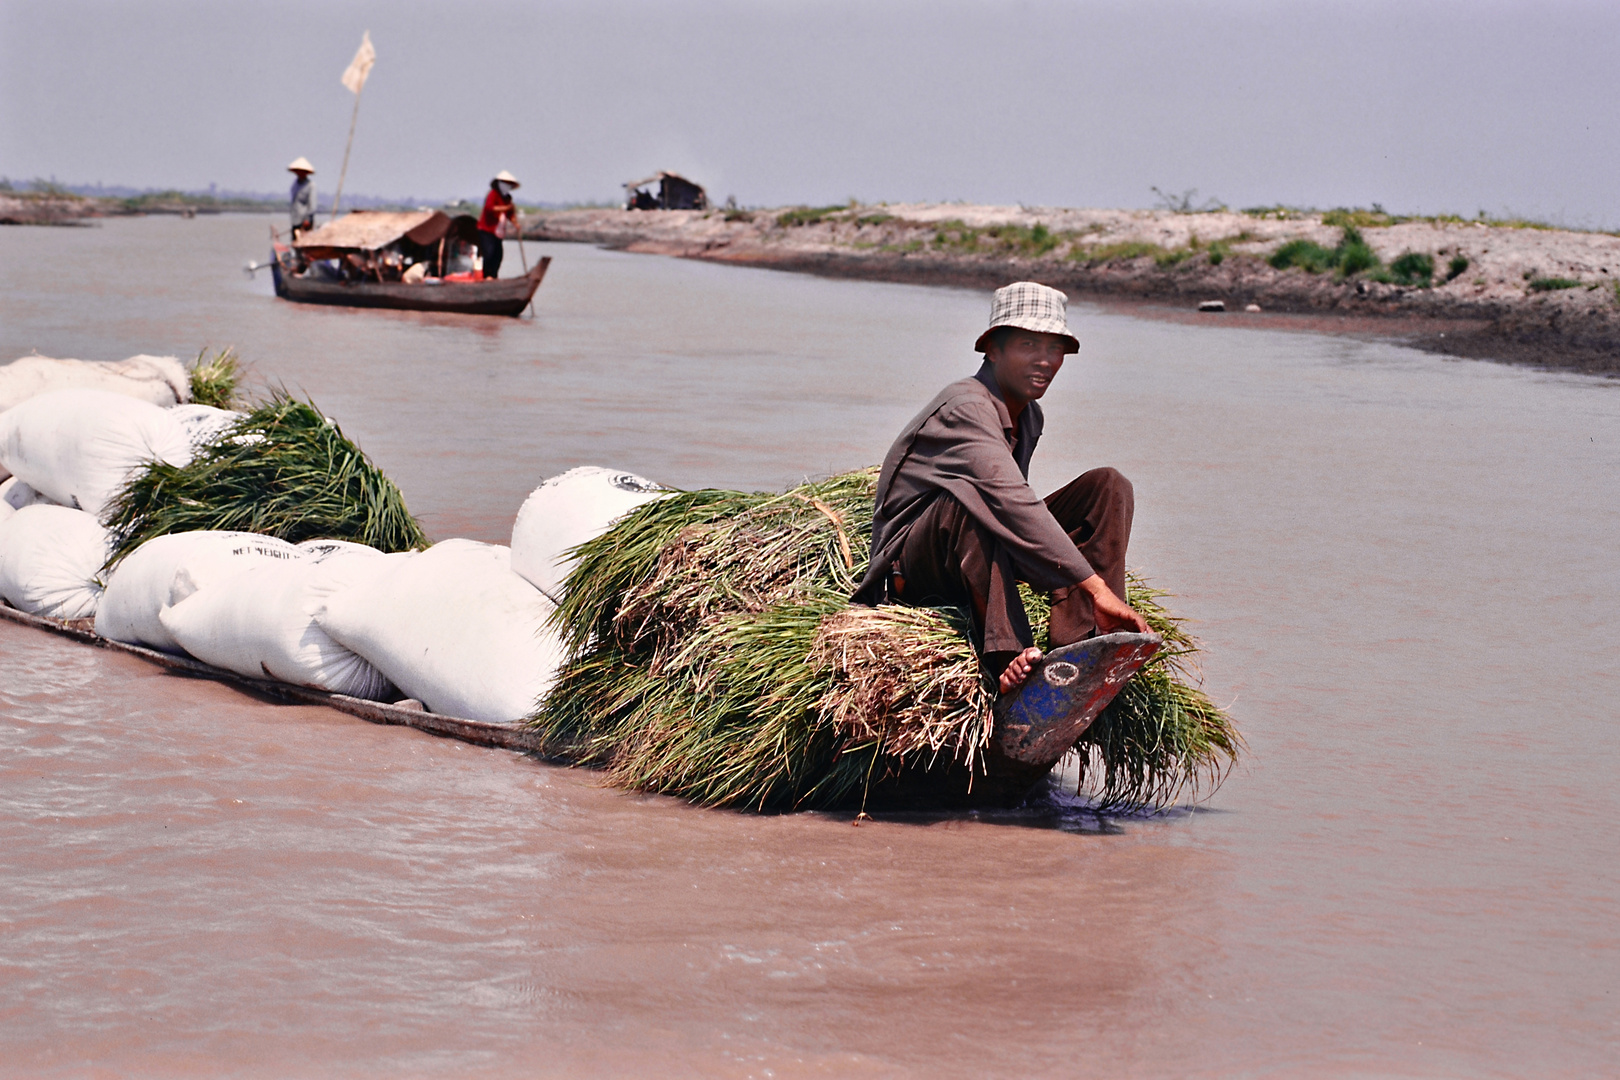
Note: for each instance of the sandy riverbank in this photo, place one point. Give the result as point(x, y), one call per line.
point(1526, 294)
point(28, 208)
point(47, 208)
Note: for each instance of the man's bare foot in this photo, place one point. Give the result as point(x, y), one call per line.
point(1019, 668)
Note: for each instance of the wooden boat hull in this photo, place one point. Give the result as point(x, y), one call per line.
point(1034, 728)
point(504, 296)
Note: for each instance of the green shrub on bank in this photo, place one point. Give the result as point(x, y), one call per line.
point(957, 237)
point(1456, 267)
point(1343, 218)
point(808, 215)
point(1124, 251)
point(1414, 268)
point(1274, 213)
point(1553, 284)
point(1308, 255)
point(1353, 255)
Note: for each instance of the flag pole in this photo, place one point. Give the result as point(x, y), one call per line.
point(354, 80)
point(338, 197)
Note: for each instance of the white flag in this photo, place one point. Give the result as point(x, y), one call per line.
point(355, 76)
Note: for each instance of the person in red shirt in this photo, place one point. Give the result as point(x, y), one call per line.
point(497, 205)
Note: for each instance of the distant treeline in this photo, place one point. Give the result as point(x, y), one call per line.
point(119, 197)
point(138, 200)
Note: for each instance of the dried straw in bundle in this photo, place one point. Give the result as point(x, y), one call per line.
point(716, 658)
point(901, 678)
point(283, 470)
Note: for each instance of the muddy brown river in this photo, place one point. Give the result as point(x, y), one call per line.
point(1406, 570)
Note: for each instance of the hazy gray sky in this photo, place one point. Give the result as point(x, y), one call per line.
point(1420, 106)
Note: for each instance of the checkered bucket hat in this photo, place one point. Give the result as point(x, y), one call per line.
point(1029, 305)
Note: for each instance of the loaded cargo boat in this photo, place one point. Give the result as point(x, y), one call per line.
point(692, 643)
point(423, 260)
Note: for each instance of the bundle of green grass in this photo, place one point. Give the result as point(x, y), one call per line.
point(716, 657)
point(283, 470)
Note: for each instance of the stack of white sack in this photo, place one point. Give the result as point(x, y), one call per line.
point(567, 510)
point(50, 561)
point(14, 495)
point(260, 621)
point(203, 424)
point(158, 380)
point(167, 569)
point(78, 447)
point(453, 627)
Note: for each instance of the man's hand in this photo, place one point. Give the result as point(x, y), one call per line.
point(1110, 611)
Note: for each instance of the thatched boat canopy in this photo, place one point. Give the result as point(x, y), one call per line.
point(371, 230)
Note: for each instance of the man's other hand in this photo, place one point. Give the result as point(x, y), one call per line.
point(1110, 612)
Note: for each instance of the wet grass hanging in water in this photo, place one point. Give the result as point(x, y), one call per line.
point(717, 659)
point(283, 470)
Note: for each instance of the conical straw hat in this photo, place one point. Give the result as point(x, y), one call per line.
point(301, 165)
point(508, 177)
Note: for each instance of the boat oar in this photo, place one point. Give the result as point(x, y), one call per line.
point(523, 255)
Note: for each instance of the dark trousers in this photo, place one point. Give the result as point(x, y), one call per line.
point(490, 249)
point(948, 558)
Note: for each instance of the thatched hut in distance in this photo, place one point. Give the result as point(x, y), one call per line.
point(674, 193)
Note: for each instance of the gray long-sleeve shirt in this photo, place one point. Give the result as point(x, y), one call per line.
point(965, 443)
point(303, 200)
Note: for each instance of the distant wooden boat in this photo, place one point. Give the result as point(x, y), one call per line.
point(504, 296)
point(427, 238)
point(1034, 727)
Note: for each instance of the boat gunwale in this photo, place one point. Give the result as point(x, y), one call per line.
point(479, 732)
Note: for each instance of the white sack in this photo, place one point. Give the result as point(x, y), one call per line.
point(15, 495)
point(159, 380)
point(203, 424)
point(79, 446)
point(50, 557)
point(327, 549)
point(261, 622)
point(454, 628)
point(167, 569)
point(568, 510)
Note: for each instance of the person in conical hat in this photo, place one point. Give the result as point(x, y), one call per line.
point(957, 524)
point(302, 210)
point(498, 208)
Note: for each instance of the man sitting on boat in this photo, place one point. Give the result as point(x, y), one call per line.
point(498, 205)
point(302, 208)
point(957, 524)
